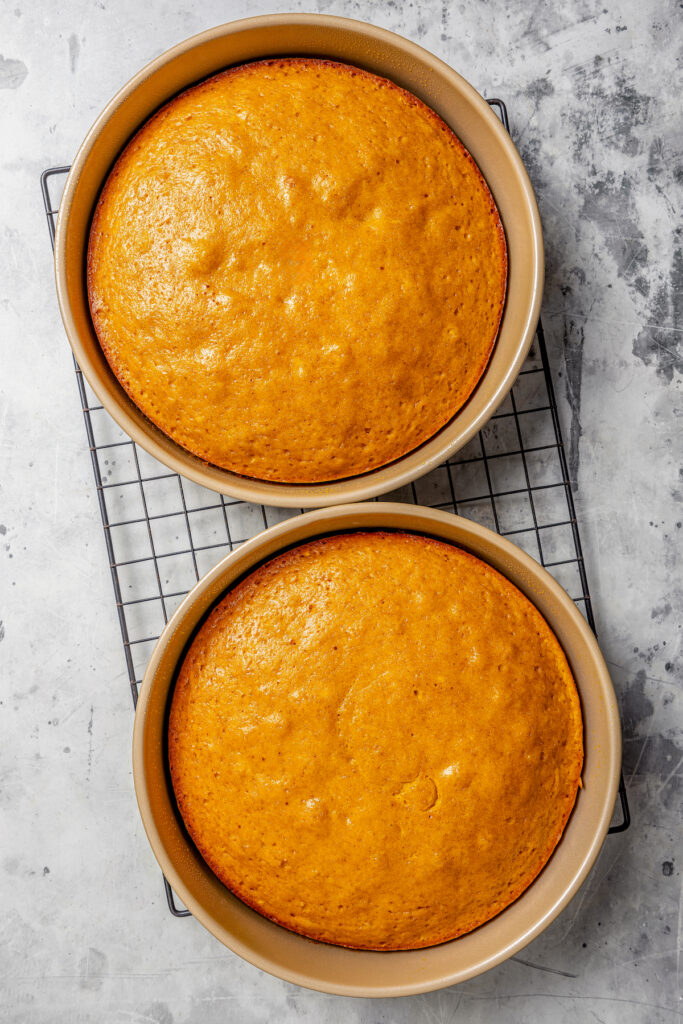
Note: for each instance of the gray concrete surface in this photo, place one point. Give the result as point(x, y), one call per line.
point(594, 94)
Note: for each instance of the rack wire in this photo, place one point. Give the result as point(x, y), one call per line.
point(162, 532)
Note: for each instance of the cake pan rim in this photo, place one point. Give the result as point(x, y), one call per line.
point(434, 522)
point(409, 466)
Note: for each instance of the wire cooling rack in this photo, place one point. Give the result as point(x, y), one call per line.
point(163, 532)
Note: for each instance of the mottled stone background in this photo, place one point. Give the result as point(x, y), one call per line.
point(594, 94)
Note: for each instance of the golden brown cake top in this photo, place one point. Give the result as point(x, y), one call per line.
point(375, 740)
point(296, 271)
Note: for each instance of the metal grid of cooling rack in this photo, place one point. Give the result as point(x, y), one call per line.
point(163, 532)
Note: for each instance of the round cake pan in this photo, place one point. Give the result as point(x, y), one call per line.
point(353, 972)
point(384, 54)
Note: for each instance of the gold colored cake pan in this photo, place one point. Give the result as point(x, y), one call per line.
point(355, 972)
point(383, 53)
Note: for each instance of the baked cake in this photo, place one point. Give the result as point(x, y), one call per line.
point(375, 740)
point(296, 271)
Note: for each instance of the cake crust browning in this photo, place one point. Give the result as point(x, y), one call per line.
point(375, 740)
point(296, 271)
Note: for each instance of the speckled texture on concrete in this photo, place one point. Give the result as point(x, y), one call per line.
point(84, 931)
